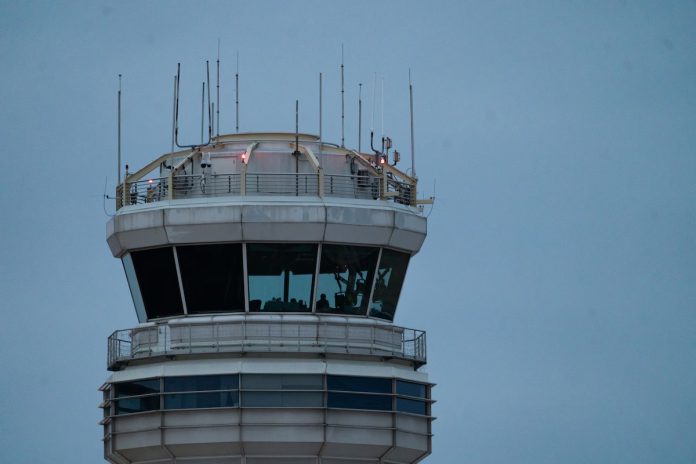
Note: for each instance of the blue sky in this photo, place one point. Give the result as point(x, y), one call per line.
point(558, 280)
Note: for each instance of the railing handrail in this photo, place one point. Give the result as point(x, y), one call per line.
point(327, 337)
point(320, 184)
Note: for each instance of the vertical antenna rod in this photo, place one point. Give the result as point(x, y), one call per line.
point(342, 104)
point(118, 161)
point(202, 110)
point(359, 116)
point(217, 116)
point(210, 111)
point(236, 93)
point(176, 105)
point(413, 149)
point(320, 111)
point(173, 114)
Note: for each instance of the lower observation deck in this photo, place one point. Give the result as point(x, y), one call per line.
point(238, 335)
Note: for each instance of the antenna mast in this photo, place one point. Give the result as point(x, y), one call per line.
point(173, 114)
point(413, 150)
point(118, 161)
point(217, 115)
point(320, 111)
point(202, 110)
point(342, 103)
point(236, 93)
point(359, 115)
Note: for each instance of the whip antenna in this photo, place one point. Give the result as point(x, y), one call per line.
point(320, 110)
point(202, 110)
point(342, 104)
point(236, 93)
point(118, 150)
point(359, 116)
point(413, 149)
point(173, 114)
point(217, 116)
point(210, 113)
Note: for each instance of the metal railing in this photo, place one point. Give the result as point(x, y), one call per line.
point(361, 187)
point(364, 187)
point(246, 336)
point(141, 192)
point(282, 184)
point(202, 185)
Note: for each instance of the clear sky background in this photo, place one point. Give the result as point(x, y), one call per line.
point(558, 280)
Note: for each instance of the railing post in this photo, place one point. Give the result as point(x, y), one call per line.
point(320, 179)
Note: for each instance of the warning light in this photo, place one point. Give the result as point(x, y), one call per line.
point(150, 181)
point(382, 160)
point(244, 157)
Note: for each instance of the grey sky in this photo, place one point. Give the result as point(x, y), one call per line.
point(558, 281)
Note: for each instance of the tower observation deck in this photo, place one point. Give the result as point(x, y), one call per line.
point(265, 270)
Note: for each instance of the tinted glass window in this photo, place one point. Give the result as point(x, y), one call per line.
point(345, 278)
point(411, 389)
point(359, 384)
point(201, 383)
point(144, 403)
point(281, 276)
point(213, 278)
point(139, 387)
point(412, 406)
point(390, 278)
point(261, 399)
point(282, 382)
point(357, 401)
point(159, 284)
point(201, 400)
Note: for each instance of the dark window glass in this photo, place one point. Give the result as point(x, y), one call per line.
point(138, 387)
point(359, 384)
point(282, 382)
point(281, 276)
point(345, 278)
point(213, 278)
point(411, 389)
point(357, 401)
point(412, 406)
point(228, 399)
point(201, 383)
point(143, 403)
point(159, 285)
point(390, 278)
point(269, 399)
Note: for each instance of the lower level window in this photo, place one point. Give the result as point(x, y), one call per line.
point(270, 391)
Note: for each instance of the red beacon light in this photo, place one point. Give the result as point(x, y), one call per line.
point(244, 157)
point(382, 160)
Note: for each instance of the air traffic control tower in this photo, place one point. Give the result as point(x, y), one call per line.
point(265, 271)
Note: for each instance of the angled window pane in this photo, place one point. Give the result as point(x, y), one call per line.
point(282, 381)
point(345, 278)
point(270, 399)
point(281, 276)
point(213, 278)
point(137, 387)
point(359, 384)
point(411, 389)
point(228, 399)
point(134, 287)
point(358, 401)
point(159, 284)
point(131, 405)
point(412, 406)
point(201, 383)
point(390, 278)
